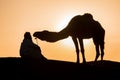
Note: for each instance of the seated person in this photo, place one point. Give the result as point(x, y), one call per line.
point(29, 50)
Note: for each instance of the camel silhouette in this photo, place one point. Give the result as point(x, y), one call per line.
point(80, 27)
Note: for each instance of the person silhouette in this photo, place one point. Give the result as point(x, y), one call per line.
point(30, 50)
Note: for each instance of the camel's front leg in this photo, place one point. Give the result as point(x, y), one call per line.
point(82, 50)
point(77, 48)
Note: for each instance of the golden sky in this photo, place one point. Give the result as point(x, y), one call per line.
point(19, 16)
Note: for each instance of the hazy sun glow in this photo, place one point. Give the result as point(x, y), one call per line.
point(63, 22)
point(69, 43)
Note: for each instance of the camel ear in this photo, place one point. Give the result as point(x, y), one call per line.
point(45, 31)
point(35, 34)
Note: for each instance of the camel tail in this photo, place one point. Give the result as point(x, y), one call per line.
point(101, 35)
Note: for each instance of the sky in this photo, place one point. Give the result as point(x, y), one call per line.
point(19, 16)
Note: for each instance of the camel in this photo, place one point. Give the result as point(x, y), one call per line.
point(80, 27)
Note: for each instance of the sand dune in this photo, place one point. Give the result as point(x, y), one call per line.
point(53, 69)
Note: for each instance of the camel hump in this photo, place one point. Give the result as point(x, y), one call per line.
point(87, 17)
point(81, 20)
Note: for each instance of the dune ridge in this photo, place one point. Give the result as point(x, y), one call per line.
point(54, 69)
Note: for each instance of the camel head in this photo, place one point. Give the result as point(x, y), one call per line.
point(42, 35)
point(46, 35)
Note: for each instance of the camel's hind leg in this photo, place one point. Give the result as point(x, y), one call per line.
point(97, 48)
point(102, 45)
point(97, 51)
point(102, 51)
